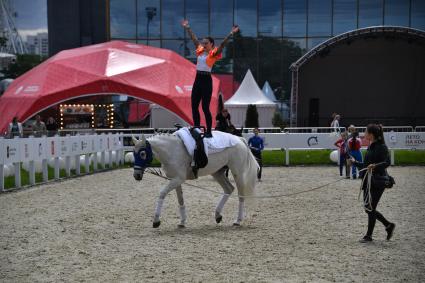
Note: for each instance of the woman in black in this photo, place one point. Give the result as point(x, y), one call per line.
point(376, 161)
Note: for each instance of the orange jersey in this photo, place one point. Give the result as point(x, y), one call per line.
point(212, 55)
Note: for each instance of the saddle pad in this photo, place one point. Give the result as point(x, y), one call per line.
point(217, 143)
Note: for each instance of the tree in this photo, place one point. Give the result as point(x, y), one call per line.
point(24, 63)
point(277, 120)
point(251, 117)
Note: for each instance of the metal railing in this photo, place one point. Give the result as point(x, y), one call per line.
point(73, 132)
point(313, 130)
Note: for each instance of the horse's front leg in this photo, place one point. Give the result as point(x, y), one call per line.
point(228, 188)
point(174, 183)
point(182, 207)
point(241, 212)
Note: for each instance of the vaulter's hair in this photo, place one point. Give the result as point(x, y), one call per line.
point(377, 132)
point(210, 39)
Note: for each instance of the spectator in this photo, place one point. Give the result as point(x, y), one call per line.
point(335, 123)
point(354, 145)
point(343, 156)
point(39, 128)
point(223, 121)
point(256, 145)
point(51, 126)
point(15, 129)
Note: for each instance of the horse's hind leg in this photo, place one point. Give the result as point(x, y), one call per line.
point(174, 183)
point(182, 207)
point(228, 188)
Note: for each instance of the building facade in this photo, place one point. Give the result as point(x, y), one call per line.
point(274, 33)
point(38, 44)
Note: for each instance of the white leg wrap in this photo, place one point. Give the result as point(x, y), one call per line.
point(241, 212)
point(183, 216)
point(158, 209)
point(221, 203)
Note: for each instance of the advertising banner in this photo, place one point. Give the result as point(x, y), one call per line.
point(53, 147)
point(39, 148)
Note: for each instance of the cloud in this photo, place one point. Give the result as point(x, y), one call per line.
point(25, 32)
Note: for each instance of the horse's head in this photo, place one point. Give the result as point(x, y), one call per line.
point(142, 157)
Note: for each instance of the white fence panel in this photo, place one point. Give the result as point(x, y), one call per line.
point(36, 152)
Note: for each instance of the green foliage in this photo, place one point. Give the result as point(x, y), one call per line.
point(24, 63)
point(409, 157)
point(251, 120)
point(273, 157)
point(277, 120)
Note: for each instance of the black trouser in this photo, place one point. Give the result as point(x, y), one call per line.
point(376, 194)
point(202, 90)
point(259, 159)
point(342, 163)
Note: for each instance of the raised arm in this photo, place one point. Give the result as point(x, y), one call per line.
point(235, 29)
point(185, 24)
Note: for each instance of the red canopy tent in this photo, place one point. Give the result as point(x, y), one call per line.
point(157, 75)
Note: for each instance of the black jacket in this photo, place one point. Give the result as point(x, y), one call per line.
point(376, 153)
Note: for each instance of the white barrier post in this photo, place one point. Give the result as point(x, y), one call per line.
point(87, 161)
point(68, 166)
point(95, 166)
point(110, 159)
point(57, 168)
point(102, 160)
point(32, 172)
point(392, 157)
point(45, 170)
point(17, 174)
point(287, 156)
point(1, 177)
point(1, 164)
point(77, 164)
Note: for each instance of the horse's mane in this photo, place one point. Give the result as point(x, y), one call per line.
point(162, 136)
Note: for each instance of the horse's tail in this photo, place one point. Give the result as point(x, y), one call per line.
point(247, 180)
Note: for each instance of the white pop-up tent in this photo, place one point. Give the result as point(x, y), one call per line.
point(249, 93)
point(268, 92)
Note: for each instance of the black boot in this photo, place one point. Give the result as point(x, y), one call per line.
point(366, 239)
point(195, 171)
point(390, 231)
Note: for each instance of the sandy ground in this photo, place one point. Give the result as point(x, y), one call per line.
point(98, 228)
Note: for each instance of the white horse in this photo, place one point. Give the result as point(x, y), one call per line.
point(176, 163)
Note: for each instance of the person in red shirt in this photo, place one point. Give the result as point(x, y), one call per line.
point(342, 145)
point(207, 54)
point(354, 145)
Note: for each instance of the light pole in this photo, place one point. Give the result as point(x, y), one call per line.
point(150, 13)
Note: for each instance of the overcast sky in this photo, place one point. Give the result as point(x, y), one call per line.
point(32, 16)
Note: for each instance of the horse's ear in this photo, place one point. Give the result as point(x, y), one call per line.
point(143, 140)
point(135, 141)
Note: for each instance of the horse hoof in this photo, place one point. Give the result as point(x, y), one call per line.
point(156, 224)
point(236, 224)
point(218, 219)
point(181, 226)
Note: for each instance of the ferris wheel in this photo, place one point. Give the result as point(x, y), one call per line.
point(11, 41)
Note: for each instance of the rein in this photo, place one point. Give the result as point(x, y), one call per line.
point(159, 174)
point(367, 201)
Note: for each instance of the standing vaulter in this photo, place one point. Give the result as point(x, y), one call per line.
point(207, 54)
